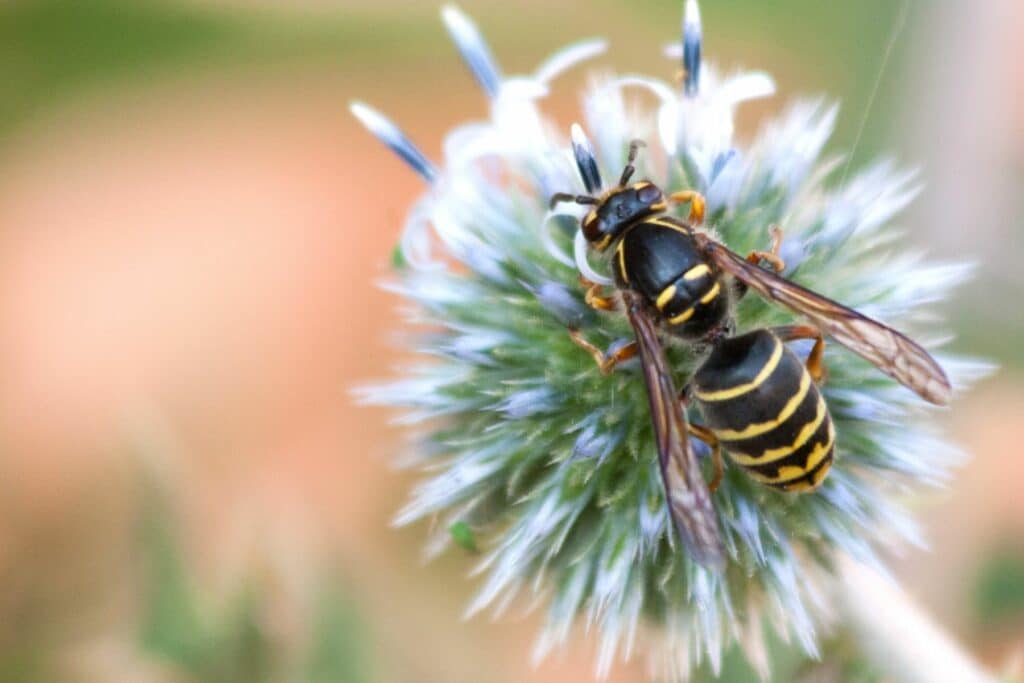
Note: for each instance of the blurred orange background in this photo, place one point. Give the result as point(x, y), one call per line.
point(191, 228)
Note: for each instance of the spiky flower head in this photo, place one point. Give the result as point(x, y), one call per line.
point(551, 467)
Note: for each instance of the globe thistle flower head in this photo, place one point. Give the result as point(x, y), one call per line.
point(548, 466)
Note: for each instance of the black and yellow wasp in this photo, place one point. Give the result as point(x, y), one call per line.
point(758, 399)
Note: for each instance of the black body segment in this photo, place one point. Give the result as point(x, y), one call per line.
point(761, 403)
point(660, 260)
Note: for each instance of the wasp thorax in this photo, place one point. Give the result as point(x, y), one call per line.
point(621, 209)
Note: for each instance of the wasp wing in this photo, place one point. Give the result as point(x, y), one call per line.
point(686, 492)
point(893, 353)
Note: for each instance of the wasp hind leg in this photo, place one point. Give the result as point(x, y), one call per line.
point(696, 201)
point(606, 360)
point(708, 437)
point(816, 359)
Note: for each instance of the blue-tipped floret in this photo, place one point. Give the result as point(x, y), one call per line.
point(692, 38)
point(585, 160)
point(473, 48)
point(391, 135)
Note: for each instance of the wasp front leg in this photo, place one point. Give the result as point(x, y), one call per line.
point(696, 201)
point(606, 360)
point(595, 298)
point(816, 359)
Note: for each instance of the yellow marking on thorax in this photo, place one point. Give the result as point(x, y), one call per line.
point(696, 272)
point(666, 295)
point(683, 317)
point(733, 392)
point(712, 293)
point(773, 454)
point(759, 428)
point(621, 251)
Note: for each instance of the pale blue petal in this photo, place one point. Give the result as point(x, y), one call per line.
point(473, 48)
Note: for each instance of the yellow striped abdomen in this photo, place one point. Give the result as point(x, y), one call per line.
point(761, 403)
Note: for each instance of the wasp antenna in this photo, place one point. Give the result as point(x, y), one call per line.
point(391, 135)
point(585, 160)
point(692, 38)
point(473, 48)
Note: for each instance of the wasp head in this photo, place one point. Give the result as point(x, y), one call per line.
point(620, 209)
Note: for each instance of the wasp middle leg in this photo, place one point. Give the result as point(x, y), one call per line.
point(606, 360)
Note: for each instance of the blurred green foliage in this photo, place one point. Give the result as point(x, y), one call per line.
point(181, 628)
point(52, 50)
point(999, 589)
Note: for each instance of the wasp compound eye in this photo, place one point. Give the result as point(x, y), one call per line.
point(649, 194)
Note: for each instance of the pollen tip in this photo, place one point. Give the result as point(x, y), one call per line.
point(451, 15)
point(471, 44)
point(692, 39)
point(372, 119)
point(691, 15)
point(578, 136)
point(585, 161)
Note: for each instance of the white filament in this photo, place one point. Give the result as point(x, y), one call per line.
point(580, 252)
point(549, 243)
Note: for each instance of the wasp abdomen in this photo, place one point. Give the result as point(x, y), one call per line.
point(760, 401)
point(661, 261)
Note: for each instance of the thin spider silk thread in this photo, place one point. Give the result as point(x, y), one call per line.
point(897, 29)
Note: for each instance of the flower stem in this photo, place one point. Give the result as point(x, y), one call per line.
point(901, 640)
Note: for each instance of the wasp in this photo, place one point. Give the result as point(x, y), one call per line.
point(759, 401)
